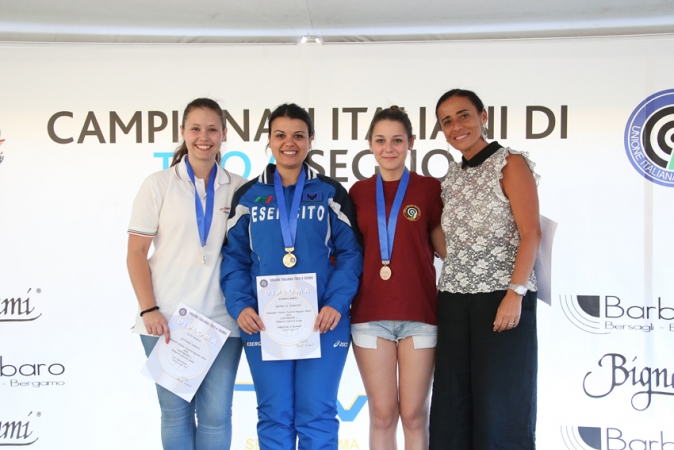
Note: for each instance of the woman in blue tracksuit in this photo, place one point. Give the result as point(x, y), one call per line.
point(296, 398)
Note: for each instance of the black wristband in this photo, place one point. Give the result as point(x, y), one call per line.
point(154, 308)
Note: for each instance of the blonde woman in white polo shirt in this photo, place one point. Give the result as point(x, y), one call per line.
point(183, 211)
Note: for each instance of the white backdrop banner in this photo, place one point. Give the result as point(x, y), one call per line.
point(81, 126)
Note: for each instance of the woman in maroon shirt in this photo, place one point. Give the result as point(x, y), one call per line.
point(394, 314)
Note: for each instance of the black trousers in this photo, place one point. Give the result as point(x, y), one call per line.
point(484, 390)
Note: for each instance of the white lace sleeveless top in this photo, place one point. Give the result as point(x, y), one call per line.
point(480, 230)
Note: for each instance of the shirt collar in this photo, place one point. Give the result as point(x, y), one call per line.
point(267, 177)
point(482, 156)
point(222, 176)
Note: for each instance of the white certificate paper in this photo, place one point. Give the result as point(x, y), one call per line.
point(543, 264)
point(181, 365)
point(288, 307)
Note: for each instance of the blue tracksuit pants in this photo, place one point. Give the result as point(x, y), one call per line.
point(298, 398)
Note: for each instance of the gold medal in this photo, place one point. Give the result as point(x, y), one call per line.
point(289, 260)
point(385, 273)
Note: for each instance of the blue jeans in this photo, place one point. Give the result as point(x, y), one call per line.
point(212, 404)
point(365, 334)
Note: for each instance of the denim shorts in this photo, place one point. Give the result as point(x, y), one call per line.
point(365, 334)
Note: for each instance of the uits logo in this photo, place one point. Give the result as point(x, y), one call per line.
point(266, 200)
point(649, 138)
point(412, 212)
point(581, 438)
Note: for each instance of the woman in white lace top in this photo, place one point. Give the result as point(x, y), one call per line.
point(484, 393)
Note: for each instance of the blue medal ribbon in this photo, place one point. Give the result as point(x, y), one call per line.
point(387, 228)
point(287, 218)
point(203, 220)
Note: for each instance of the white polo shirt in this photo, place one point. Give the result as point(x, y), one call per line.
point(164, 210)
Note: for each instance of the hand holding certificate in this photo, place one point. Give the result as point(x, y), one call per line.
point(288, 307)
point(181, 365)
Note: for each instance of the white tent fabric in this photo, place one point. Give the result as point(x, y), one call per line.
point(285, 21)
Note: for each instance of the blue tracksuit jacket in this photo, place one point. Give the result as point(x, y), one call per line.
point(326, 234)
point(295, 398)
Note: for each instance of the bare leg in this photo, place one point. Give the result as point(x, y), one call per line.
point(378, 368)
point(416, 375)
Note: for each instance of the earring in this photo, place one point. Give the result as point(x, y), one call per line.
point(485, 133)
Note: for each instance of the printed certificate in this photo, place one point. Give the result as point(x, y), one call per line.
point(288, 307)
point(181, 365)
point(543, 264)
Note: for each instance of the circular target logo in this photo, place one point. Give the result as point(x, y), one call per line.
point(649, 138)
point(412, 212)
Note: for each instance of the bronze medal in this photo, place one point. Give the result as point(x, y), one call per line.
point(385, 273)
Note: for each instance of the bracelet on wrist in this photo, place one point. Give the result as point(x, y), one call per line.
point(154, 308)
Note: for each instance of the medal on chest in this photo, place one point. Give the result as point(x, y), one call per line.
point(288, 218)
point(204, 218)
point(387, 227)
point(289, 259)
